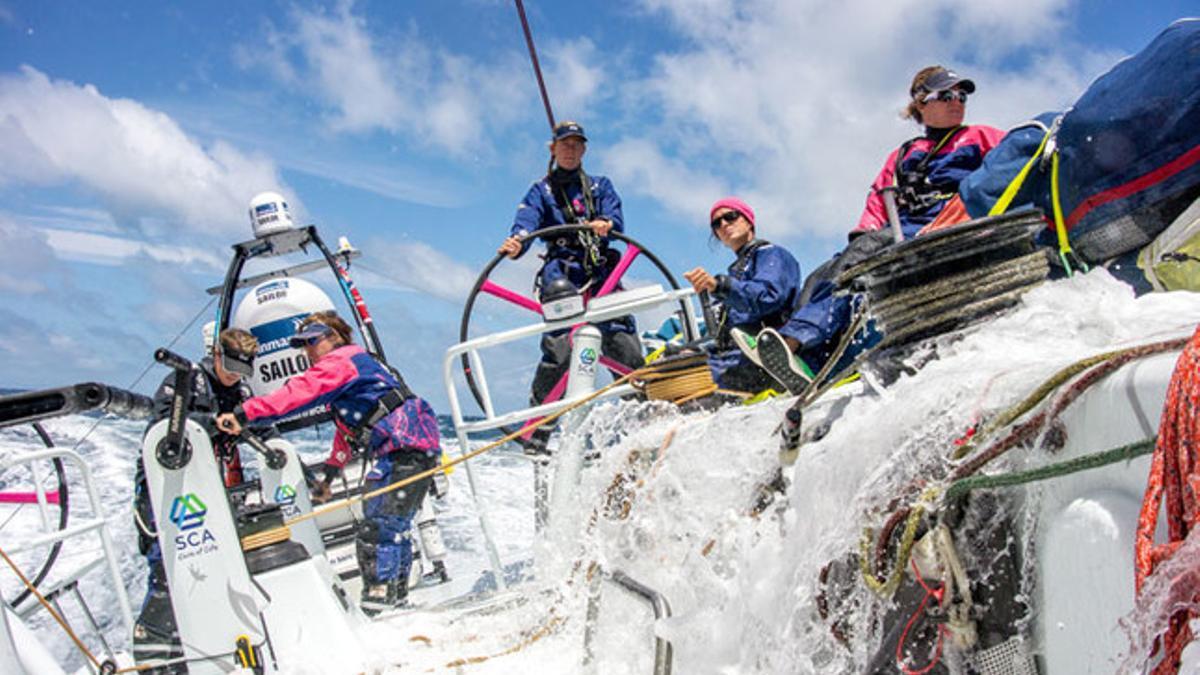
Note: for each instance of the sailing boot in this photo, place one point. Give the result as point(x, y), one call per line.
point(439, 573)
point(781, 363)
point(155, 637)
point(536, 444)
point(748, 344)
point(383, 597)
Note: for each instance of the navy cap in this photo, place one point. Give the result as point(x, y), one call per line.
point(567, 129)
point(310, 334)
point(943, 79)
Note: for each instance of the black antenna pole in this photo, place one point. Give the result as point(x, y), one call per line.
point(537, 69)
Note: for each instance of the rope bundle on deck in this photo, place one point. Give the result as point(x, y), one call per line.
point(1174, 478)
point(962, 477)
point(947, 279)
point(678, 379)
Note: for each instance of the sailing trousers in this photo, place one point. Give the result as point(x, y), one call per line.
point(383, 540)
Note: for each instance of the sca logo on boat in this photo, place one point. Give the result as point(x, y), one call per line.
point(188, 512)
point(285, 494)
point(588, 356)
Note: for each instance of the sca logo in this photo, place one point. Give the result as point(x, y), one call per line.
point(285, 494)
point(187, 512)
point(588, 356)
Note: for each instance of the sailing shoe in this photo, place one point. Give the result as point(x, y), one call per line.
point(439, 574)
point(151, 644)
point(378, 598)
point(155, 637)
point(536, 444)
point(781, 363)
point(748, 344)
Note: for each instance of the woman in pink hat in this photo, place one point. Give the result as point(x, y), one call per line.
point(759, 290)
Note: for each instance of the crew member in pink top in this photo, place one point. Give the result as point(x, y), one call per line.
point(926, 170)
point(376, 412)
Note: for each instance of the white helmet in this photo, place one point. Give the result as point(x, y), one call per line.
point(269, 214)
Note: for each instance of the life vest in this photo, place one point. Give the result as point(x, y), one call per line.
point(583, 246)
point(723, 334)
point(915, 193)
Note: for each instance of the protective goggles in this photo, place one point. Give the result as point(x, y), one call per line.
point(237, 362)
point(945, 96)
point(724, 219)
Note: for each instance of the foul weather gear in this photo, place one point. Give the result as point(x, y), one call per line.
point(383, 539)
point(927, 170)
point(760, 290)
point(352, 382)
point(565, 197)
point(397, 431)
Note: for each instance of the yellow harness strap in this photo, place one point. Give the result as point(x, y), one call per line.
point(1065, 254)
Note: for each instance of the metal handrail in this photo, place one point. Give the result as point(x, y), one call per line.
point(608, 307)
point(473, 346)
point(663, 653)
point(99, 525)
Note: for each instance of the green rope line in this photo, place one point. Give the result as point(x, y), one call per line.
point(960, 488)
point(1123, 453)
point(1045, 389)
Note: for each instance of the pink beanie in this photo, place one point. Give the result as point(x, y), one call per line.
point(735, 204)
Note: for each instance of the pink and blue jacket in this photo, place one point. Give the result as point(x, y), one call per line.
point(351, 382)
point(960, 156)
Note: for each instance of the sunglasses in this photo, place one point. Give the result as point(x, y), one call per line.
point(310, 340)
point(237, 363)
point(946, 96)
point(724, 219)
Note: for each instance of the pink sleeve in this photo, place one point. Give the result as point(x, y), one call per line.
point(341, 449)
point(305, 390)
point(874, 215)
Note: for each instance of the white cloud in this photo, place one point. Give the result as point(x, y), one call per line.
point(25, 259)
point(576, 77)
point(109, 250)
point(398, 84)
point(639, 166)
point(795, 104)
point(419, 267)
point(137, 159)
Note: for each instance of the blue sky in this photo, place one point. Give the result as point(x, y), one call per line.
point(133, 134)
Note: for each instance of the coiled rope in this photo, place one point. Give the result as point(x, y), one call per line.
point(678, 379)
point(1174, 475)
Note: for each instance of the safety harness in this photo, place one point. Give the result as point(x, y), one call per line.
point(359, 435)
point(1046, 153)
point(914, 191)
point(593, 256)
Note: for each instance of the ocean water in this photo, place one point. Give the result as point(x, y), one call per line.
point(667, 500)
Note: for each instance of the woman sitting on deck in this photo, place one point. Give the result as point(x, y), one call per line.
point(758, 291)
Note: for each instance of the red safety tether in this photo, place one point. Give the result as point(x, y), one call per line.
point(937, 595)
point(1175, 474)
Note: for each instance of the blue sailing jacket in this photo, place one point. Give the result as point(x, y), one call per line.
point(541, 209)
point(758, 292)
